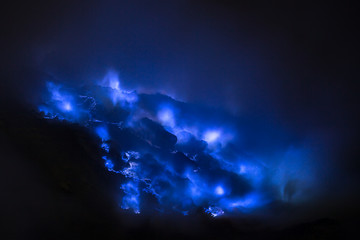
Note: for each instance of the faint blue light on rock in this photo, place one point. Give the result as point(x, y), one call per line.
point(214, 211)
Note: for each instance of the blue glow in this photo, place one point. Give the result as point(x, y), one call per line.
point(219, 190)
point(106, 147)
point(244, 204)
point(67, 106)
point(243, 169)
point(63, 100)
point(131, 171)
point(175, 154)
point(214, 211)
point(117, 95)
point(131, 198)
point(102, 133)
point(183, 137)
point(211, 136)
point(251, 171)
point(126, 156)
point(166, 117)
point(111, 80)
point(108, 163)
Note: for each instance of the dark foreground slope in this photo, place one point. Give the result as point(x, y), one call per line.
point(54, 186)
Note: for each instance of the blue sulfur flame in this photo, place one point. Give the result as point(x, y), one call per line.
point(219, 191)
point(102, 133)
point(214, 211)
point(174, 158)
point(131, 198)
point(211, 136)
point(108, 163)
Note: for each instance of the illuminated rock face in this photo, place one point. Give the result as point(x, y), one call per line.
point(175, 157)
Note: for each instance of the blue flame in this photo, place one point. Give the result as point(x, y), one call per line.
point(117, 95)
point(211, 136)
point(214, 211)
point(102, 133)
point(108, 163)
point(181, 157)
point(131, 198)
point(219, 190)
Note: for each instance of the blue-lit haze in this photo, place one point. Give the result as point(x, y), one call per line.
point(179, 155)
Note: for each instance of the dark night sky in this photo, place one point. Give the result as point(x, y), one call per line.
point(290, 63)
point(293, 63)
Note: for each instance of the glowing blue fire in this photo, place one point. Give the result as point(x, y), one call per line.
point(108, 163)
point(211, 136)
point(180, 157)
point(102, 133)
point(118, 96)
point(214, 211)
point(131, 198)
point(219, 190)
point(166, 117)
